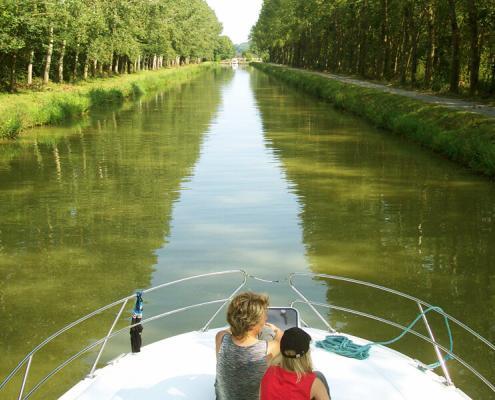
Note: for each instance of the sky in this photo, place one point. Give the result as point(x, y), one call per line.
point(237, 17)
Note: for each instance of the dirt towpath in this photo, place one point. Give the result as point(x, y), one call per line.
point(456, 104)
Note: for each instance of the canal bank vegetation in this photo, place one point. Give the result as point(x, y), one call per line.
point(464, 137)
point(47, 46)
point(25, 110)
point(43, 41)
point(442, 45)
point(116, 181)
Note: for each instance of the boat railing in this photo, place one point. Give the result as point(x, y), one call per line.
point(302, 299)
point(422, 305)
point(27, 360)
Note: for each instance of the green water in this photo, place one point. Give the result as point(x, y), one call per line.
point(234, 170)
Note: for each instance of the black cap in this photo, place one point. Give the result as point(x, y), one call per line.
point(294, 343)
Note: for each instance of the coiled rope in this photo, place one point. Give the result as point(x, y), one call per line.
point(345, 347)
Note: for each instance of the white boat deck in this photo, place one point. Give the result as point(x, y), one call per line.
point(183, 367)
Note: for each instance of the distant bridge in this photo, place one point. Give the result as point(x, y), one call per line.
point(240, 60)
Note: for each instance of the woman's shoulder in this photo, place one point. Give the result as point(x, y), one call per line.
point(219, 338)
point(222, 333)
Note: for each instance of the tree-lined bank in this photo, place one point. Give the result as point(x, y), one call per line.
point(38, 108)
point(463, 137)
point(66, 40)
point(436, 44)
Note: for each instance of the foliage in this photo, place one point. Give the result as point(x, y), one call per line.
point(224, 49)
point(25, 110)
point(242, 47)
point(66, 40)
point(462, 136)
point(436, 44)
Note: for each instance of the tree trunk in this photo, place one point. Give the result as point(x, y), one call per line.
point(116, 67)
point(49, 51)
point(86, 69)
point(385, 64)
point(474, 62)
point(412, 62)
point(30, 68)
point(110, 65)
point(414, 56)
point(430, 46)
point(492, 81)
point(361, 68)
point(76, 60)
point(13, 73)
point(455, 44)
point(405, 44)
point(61, 62)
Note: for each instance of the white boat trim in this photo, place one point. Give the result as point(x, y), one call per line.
point(222, 302)
point(183, 367)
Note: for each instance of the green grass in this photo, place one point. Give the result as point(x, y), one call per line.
point(464, 137)
point(57, 103)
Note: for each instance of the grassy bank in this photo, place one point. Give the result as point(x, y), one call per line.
point(464, 137)
point(61, 102)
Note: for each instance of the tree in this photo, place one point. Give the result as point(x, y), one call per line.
point(441, 43)
point(102, 36)
point(224, 48)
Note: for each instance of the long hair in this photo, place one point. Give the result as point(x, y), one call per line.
point(301, 366)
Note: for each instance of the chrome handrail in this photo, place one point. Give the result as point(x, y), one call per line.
point(419, 302)
point(223, 302)
point(402, 327)
point(396, 292)
point(102, 340)
point(28, 358)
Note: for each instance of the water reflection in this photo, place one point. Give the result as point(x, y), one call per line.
point(83, 210)
point(234, 170)
point(377, 208)
point(236, 209)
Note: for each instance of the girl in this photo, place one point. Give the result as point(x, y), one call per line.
point(291, 375)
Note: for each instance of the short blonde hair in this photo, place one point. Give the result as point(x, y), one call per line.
point(245, 311)
point(301, 365)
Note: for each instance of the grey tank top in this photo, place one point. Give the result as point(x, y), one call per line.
point(240, 369)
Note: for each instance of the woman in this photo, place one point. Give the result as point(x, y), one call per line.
point(242, 358)
point(291, 374)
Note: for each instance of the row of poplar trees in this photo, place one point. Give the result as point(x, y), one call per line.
point(429, 43)
point(66, 40)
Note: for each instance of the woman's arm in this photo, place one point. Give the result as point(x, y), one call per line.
point(319, 391)
point(276, 331)
point(273, 349)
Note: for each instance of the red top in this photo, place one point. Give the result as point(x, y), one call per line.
point(280, 384)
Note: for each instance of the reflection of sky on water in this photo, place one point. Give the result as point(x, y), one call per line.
point(237, 210)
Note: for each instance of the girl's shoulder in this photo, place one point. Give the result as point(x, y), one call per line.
point(272, 369)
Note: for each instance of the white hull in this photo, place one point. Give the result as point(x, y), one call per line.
point(183, 367)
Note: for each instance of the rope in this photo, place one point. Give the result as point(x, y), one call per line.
point(345, 347)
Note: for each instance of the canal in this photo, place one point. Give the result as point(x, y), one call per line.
point(235, 170)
